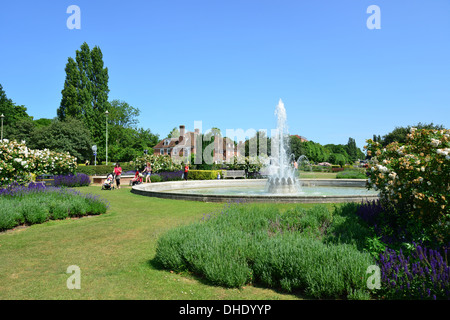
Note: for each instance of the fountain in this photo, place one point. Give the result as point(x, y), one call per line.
point(281, 185)
point(282, 173)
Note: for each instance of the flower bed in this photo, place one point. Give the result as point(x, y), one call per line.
point(36, 203)
point(18, 163)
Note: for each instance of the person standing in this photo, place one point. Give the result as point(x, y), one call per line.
point(186, 170)
point(148, 172)
point(117, 174)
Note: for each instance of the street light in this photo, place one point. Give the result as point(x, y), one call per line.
point(106, 113)
point(94, 149)
point(1, 138)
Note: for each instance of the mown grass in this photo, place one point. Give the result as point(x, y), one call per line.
point(115, 252)
point(317, 175)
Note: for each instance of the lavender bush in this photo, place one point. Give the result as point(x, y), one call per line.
point(37, 203)
point(425, 274)
point(418, 273)
point(171, 175)
point(78, 180)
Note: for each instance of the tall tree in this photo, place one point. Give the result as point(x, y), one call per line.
point(352, 150)
point(85, 92)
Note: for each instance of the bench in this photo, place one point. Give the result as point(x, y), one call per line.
point(124, 179)
point(46, 179)
point(235, 174)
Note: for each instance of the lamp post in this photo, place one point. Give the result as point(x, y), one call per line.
point(106, 113)
point(1, 138)
point(94, 149)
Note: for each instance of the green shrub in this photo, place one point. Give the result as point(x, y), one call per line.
point(350, 175)
point(10, 216)
point(101, 170)
point(204, 174)
point(291, 250)
point(320, 168)
point(155, 178)
point(34, 212)
point(59, 210)
point(78, 207)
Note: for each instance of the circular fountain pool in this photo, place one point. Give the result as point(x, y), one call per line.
point(309, 191)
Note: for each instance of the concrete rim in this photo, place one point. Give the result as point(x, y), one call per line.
point(168, 190)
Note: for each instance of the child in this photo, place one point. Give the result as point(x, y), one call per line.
point(186, 170)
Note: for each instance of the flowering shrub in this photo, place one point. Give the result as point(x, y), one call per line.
point(159, 163)
point(71, 180)
point(17, 162)
point(425, 274)
point(415, 178)
point(171, 176)
point(250, 164)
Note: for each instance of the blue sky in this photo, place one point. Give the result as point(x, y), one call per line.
point(227, 63)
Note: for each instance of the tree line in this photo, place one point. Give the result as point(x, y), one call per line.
point(337, 154)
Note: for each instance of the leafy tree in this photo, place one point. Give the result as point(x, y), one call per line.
point(22, 130)
point(258, 138)
point(315, 152)
point(175, 133)
point(64, 136)
point(125, 140)
point(296, 146)
point(12, 113)
point(43, 122)
point(85, 92)
point(399, 133)
point(337, 158)
point(121, 114)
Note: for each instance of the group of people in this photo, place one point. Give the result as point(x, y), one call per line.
point(138, 177)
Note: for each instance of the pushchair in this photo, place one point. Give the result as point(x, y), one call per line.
point(137, 178)
point(109, 182)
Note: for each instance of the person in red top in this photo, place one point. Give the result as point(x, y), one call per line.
point(186, 170)
point(117, 174)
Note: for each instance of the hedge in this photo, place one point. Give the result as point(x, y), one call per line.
point(103, 169)
point(204, 174)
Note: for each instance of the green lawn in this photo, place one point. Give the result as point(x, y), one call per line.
point(114, 252)
point(317, 175)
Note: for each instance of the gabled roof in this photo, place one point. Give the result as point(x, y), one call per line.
point(175, 142)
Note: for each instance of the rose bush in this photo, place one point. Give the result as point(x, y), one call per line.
point(159, 163)
point(414, 179)
point(18, 162)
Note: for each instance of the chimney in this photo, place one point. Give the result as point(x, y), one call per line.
point(181, 133)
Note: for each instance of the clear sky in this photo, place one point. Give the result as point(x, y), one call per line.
point(227, 63)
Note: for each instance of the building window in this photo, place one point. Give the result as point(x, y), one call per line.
point(161, 151)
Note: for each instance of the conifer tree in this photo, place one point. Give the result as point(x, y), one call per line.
point(85, 92)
